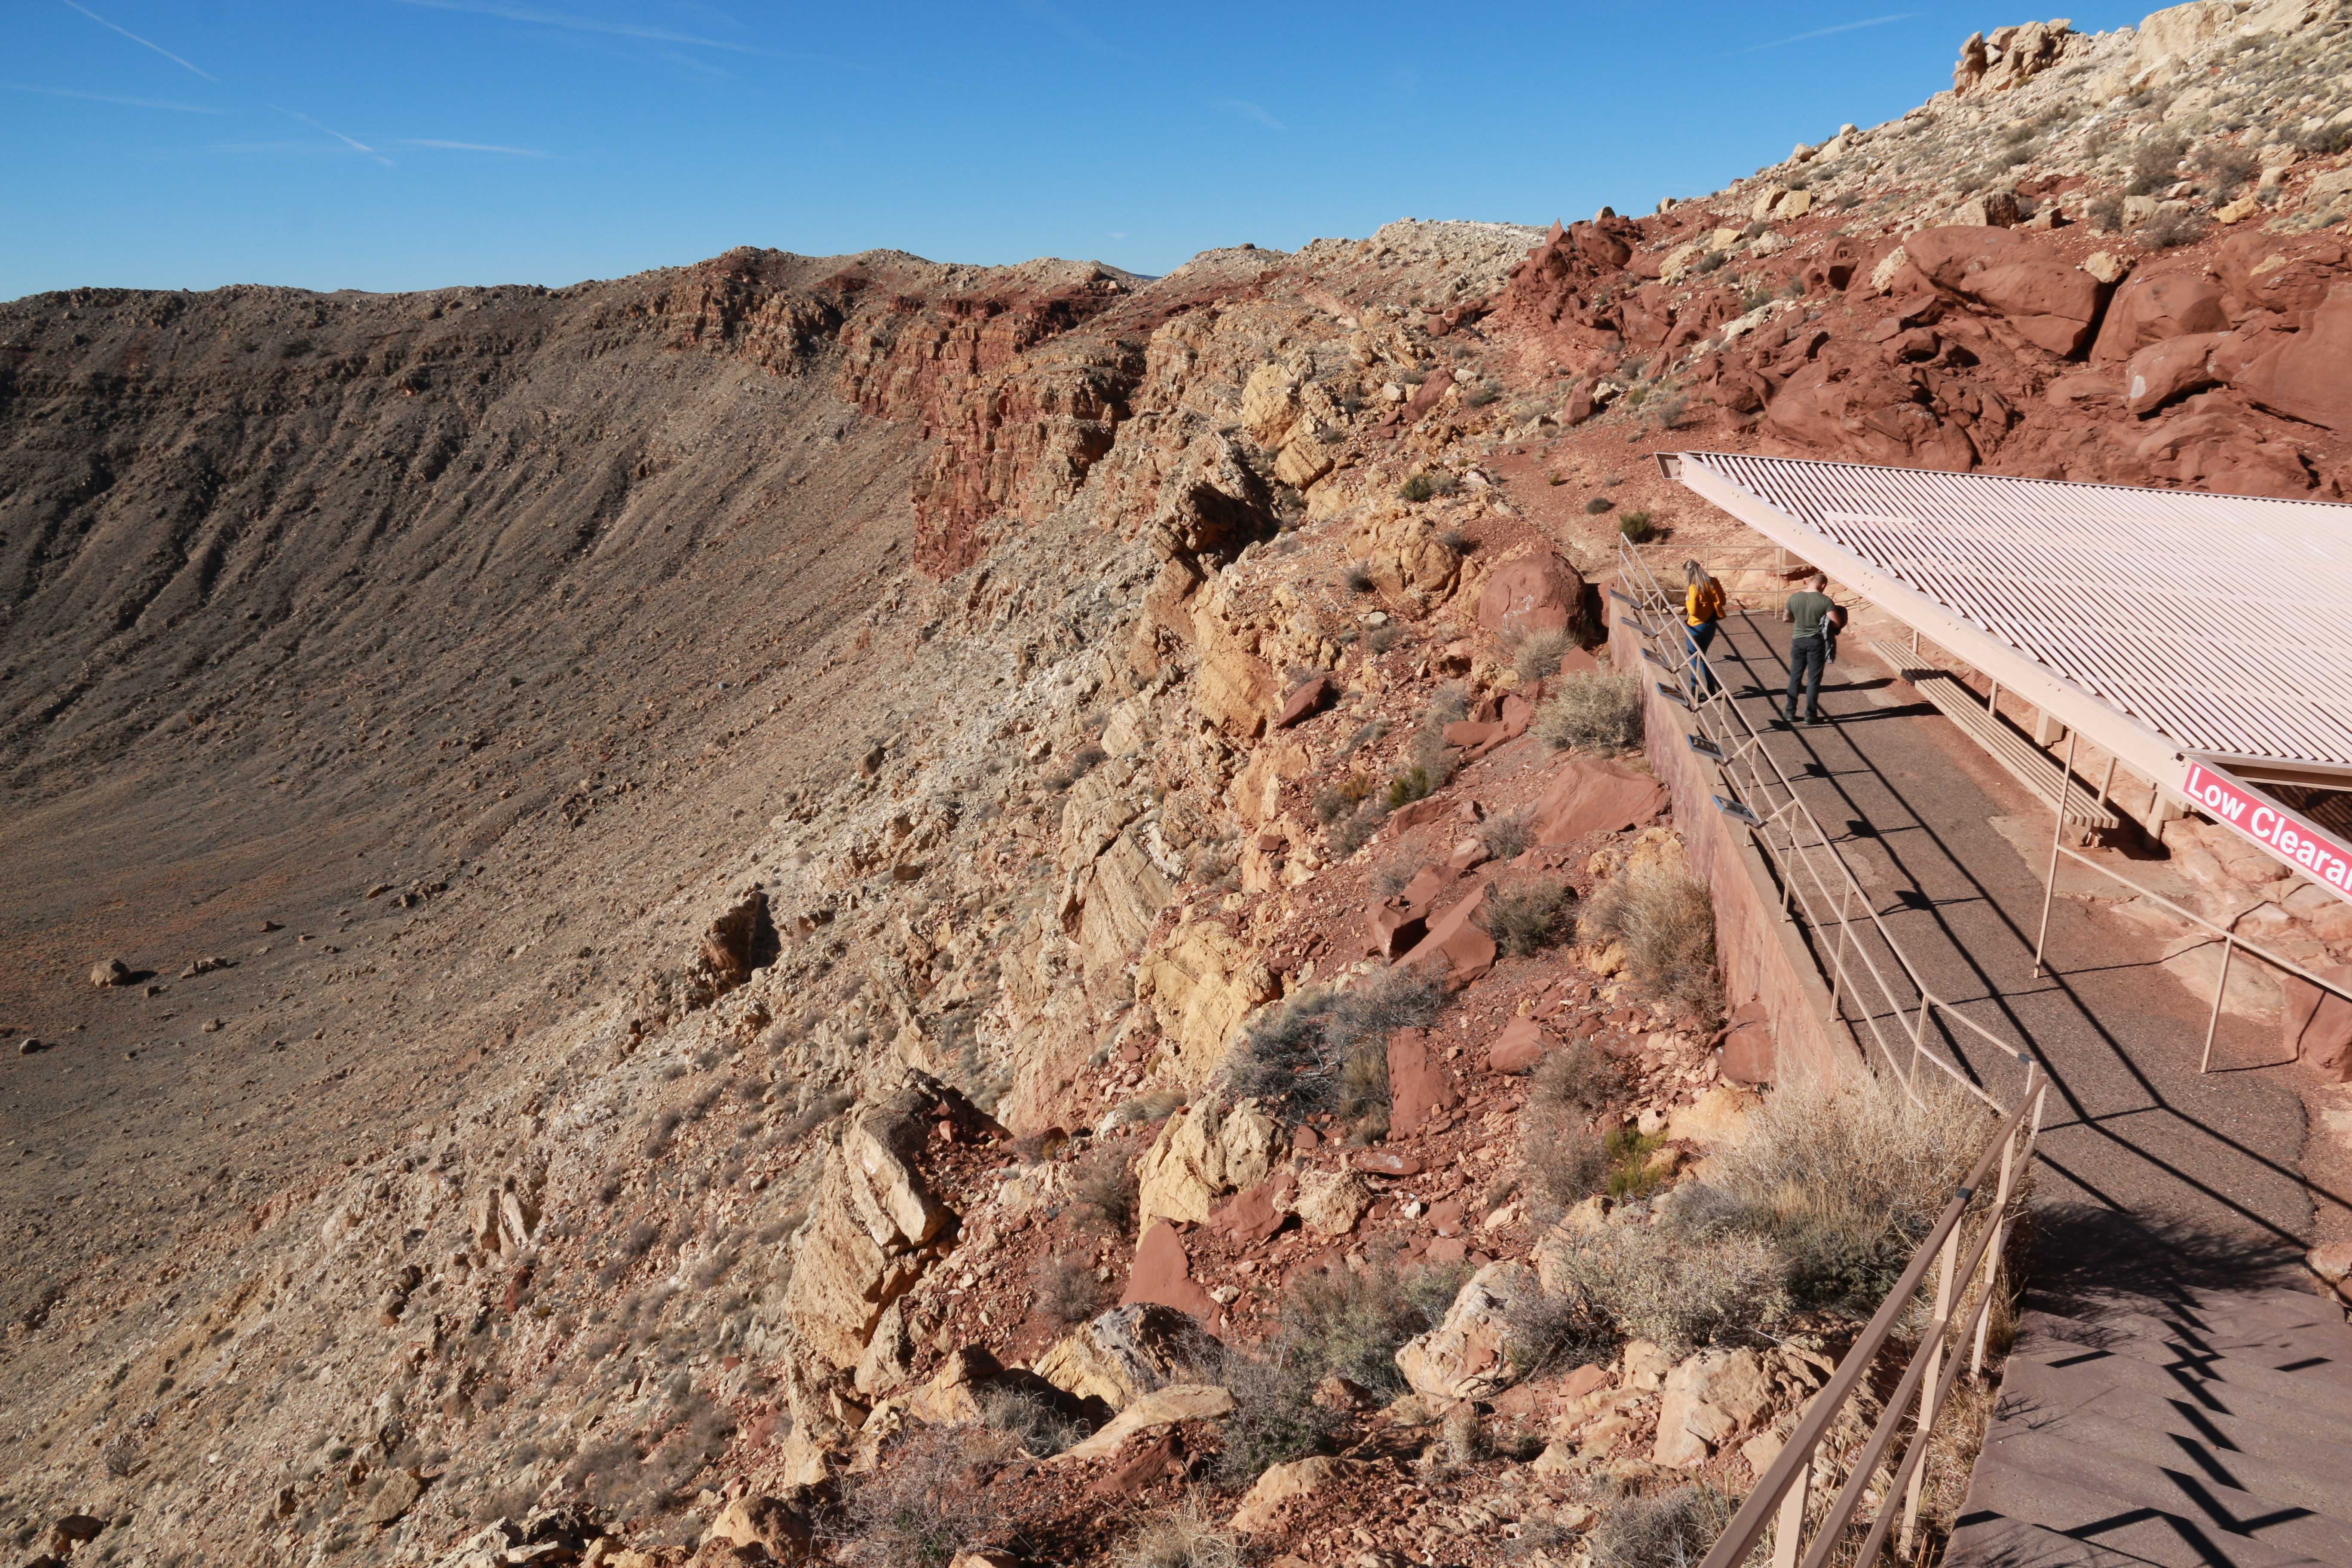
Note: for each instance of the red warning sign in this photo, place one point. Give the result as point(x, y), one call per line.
point(2295, 839)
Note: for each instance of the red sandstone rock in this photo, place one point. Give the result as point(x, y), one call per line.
point(1428, 809)
point(1540, 592)
point(1593, 796)
point(2156, 303)
point(1518, 713)
point(1386, 1163)
point(1468, 856)
point(1303, 702)
point(2304, 377)
point(1518, 1047)
point(1471, 735)
point(2316, 1024)
point(2173, 368)
point(1162, 1273)
point(1747, 1049)
point(1417, 1086)
point(1255, 1215)
point(1457, 938)
point(1395, 929)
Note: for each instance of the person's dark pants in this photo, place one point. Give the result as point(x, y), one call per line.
point(1700, 637)
point(1806, 657)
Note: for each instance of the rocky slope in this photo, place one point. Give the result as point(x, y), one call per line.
point(688, 855)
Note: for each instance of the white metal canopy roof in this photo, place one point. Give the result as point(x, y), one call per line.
point(2169, 626)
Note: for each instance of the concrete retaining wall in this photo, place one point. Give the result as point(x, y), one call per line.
point(1767, 969)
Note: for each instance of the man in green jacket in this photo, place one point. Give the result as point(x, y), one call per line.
point(1809, 613)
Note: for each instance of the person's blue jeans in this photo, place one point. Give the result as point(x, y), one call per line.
point(1701, 676)
point(1807, 656)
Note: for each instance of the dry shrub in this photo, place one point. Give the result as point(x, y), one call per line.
point(1661, 1530)
point(1506, 838)
point(1103, 1186)
point(1537, 655)
point(1188, 1538)
point(1594, 711)
point(1576, 1079)
point(1327, 1050)
point(1843, 1178)
point(1030, 1418)
point(1562, 1160)
point(918, 1507)
point(1676, 1286)
point(1527, 920)
point(1067, 1290)
point(1665, 918)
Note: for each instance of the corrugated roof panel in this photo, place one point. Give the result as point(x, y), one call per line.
point(2223, 622)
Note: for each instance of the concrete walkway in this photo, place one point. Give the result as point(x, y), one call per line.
point(2139, 1151)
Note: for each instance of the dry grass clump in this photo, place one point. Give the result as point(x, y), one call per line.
point(1187, 1538)
point(1349, 1321)
point(1664, 919)
point(1030, 1418)
point(1537, 655)
point(1660, 1530)
point(1327, 1050)
point(1103, 1187)
point(1527, 920)
point(1562, 1160)
point(919, 1509)
point(1507, 836)
point(1594, 711)
point(1844, 1178)
point(1679, 1286)
point(1066, 1287)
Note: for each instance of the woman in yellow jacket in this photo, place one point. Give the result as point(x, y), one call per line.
point(1702, 606)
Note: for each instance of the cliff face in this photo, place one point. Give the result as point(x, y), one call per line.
point(691, 854)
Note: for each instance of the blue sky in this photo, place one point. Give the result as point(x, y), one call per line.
point(414, 144)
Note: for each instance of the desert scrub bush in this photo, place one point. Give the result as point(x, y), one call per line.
point(1664, 919)
point(2105, 212)
point(1595, 505)
point(2227, 168)
point(1067, 1289)
point(1102, 1187)
point(1353, 832)
point(1418, 487)
point(1677, 1286)
point(2325, 141)
point(1673, 1529)
point(1537, 655)
point(1636, 526)
point(1187, 1538)
point(1562, 1162)
point(1358, 577)
point(1030, 1416)
point(1335, 801)
point(1384, 636)
point(2169, 230)
point(1633, 1168)
point(1843, 1179)
point(919, 1509)
point(1592, 710)
point(1506, 836)
point(1576, 1081)
point(1525, 920)
point(2155, 161)
point(1481, 395)
point(1295, 1057)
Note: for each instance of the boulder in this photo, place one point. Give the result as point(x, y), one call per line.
point(1162, 1273)
point(1307, 699)
point(2052, 304)
point(2316, 1025)
point(2301, 374)
point(2158, 303)
point(1708, 1399)
point(1127, 1353)
point(773, 1525)
point(872, 1232)
point(1394, 929)
point(2173, 368)
point(1329, 1202)
point(1463, 1358)
point(1261, 1506)
point(1201, 1154)
point(1417, 1085)
point(1529, 594)
point(1456, 937)
point(1518, 1047)
point(952, 1395)
point(1256, 1213)
point(1162, 1407)
point(1748, 1053)
point(1590, 795)
point(112, 971)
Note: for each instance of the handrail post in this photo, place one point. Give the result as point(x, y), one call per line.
point(2057, 829)
point(1837, 967)
point(1992, 1252)
point(1929, 1387)
point(1788, 1524)
point(2220, 985)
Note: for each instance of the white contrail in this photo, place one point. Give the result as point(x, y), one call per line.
point(1825, 32)
point(470, 147)
point(143, 42)
point(1249, 111)
point(353, 142)
point(112, 98)
point(591, 25)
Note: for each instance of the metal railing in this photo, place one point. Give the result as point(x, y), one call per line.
point(1817, 885)
point(1781, 1501)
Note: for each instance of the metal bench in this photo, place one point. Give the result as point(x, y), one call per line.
point(2007, 744)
